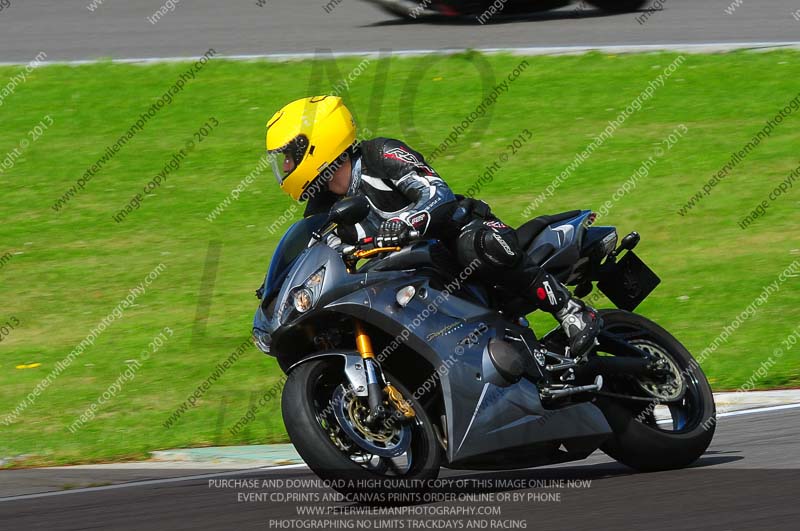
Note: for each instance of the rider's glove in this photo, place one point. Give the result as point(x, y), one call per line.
point(393, 233)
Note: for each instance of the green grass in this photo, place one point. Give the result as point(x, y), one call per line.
point(76, 265)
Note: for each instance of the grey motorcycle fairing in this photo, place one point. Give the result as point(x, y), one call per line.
point(488, 420)
point(482, 417)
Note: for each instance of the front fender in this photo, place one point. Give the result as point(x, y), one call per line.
point(353, 368)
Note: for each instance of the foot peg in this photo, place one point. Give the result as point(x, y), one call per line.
point(564, 362)
point(559, 393)
point(567, 361)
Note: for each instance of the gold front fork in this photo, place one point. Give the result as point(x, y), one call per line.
point(364, 346)
point(363, 342)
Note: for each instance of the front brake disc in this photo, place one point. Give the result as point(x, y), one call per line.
point(388, 440)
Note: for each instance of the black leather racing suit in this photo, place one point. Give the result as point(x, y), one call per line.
point(399, 184)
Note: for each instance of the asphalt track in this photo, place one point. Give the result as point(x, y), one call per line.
point(749, 479)
point(67, 30)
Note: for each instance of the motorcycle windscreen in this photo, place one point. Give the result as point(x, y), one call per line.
point(294, 242)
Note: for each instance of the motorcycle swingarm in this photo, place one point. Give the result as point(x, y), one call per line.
point(610, 342)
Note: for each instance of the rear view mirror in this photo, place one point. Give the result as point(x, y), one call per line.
point(349, 210)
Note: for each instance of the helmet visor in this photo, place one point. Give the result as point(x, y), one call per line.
point(287, 158)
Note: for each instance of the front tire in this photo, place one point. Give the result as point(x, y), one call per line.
point(639, 440)
point(324, 446)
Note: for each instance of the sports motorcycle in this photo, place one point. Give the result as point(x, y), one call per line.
point(400, 361)
point(485, 9)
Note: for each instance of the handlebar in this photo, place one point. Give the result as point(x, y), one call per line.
point(366, 247)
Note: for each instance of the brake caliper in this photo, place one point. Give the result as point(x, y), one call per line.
point(400, 403)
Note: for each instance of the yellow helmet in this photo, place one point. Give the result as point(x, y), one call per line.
point(306, 137)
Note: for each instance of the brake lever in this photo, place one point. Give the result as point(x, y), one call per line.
point(359, 246)
point(367, 246)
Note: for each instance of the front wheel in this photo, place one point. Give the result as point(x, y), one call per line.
point(672, 428)
point(326, 423)
point(618, 6)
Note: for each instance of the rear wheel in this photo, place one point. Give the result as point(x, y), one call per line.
point(618, 6)
point(673, 423)
point(325, 422)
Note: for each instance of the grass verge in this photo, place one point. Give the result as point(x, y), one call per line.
point(62, 272)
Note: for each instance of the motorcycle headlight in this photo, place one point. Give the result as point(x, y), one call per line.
point(303, 300)
point(304, 297)
point(262, 340)
point(314, 282)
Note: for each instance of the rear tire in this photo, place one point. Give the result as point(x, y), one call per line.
point(315, 444)
point(618, 6)
point(644, 446)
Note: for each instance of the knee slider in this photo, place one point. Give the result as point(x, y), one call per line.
point(498, 248)
point(495, 250)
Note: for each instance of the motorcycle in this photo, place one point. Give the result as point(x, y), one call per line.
point(400, 362)
point(485, 9)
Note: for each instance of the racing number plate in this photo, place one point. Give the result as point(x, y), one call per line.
point(628, 282)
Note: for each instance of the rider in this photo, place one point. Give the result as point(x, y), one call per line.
point(315, 157)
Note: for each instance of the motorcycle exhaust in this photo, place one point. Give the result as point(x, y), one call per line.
point(609, 366)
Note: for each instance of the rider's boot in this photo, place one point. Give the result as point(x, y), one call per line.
point(579, 321)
